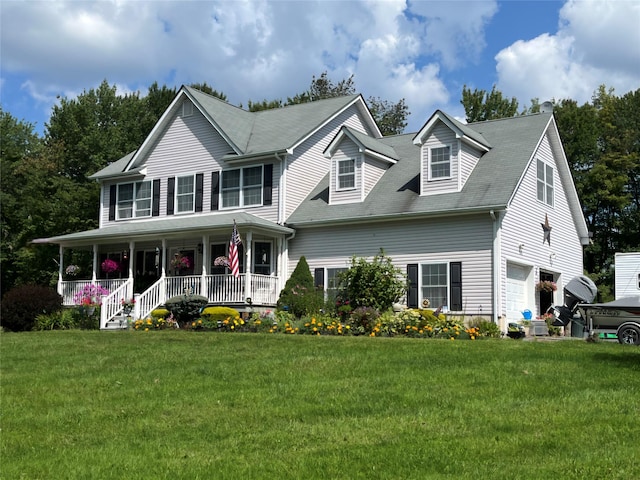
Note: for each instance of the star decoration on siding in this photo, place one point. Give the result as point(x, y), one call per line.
point(546, 228)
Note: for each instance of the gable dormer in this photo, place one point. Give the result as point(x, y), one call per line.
point(449, 151)
point(357, 163)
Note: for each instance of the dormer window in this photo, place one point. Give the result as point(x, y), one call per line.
point(346, 177)
point(440, 162)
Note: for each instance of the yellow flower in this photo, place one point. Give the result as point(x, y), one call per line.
point(146, 329)
point(193, 324)
point(452, 338)
point(472, 337)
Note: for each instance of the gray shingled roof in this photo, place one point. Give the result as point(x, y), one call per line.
point(255, 133)
point(373, 144)
point(396, 194)
point(165, 226)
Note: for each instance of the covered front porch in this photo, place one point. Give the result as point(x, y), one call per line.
point(154, 261)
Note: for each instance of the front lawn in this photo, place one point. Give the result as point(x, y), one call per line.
point(188, 405)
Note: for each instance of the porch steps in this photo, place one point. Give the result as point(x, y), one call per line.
point(117, 323)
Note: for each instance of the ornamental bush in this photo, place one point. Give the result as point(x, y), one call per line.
point(215, 314)
point(376, 283)
point(65, 319)
point(186, 308)
point(299, 295)
point(21, 305)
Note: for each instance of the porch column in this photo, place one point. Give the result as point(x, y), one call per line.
point(94, 275)
point(247, 265)
point(164, 257)
point(280, 268)
point(132, 246)
point(205, 266)
point(60, 269)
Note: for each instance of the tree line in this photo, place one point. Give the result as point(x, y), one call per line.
point(46, 189)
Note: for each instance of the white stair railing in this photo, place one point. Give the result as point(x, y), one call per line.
point(112, 303)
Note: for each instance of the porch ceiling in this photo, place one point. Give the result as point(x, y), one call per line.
point(169, 227)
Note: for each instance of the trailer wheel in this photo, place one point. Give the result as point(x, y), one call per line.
point(629, 334)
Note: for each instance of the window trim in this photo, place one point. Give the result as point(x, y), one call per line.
point(134, 200)
point(545, 184)
point(241, 188)
point(447, 285)
point(431, 163)
point(176, 195)
point(339, 175)
point(254, 258)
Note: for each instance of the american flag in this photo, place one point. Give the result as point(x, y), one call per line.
point(233, 252)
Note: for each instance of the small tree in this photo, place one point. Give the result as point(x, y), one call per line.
point(299, 295)
point(376, 284)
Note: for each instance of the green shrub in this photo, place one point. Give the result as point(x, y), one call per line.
point(216, 314)
point(485, 328)
point(299, 295)
point(65, 319)
point(376, 283)
point(186, 308)
point(160, 313)
point(21, 305)
point(363, 320)
point(87, 321)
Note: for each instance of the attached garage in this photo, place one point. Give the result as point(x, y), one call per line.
point(517, 291)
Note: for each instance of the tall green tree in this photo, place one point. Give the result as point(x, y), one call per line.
point(390, 117)
point(480, 105)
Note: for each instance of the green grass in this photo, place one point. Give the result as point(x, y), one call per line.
point(186, 405)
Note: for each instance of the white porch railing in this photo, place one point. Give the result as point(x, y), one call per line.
point(218, 289)
point(68, 290)
point(112, 303)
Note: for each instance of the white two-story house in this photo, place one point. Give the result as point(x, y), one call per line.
point(475, 214)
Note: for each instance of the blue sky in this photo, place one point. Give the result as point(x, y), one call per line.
point(422, 51)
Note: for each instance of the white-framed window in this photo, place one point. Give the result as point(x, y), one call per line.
point(346, 174)
point(134, 200)
point(242, 187)
point(185, 194)
point(435, 283)
point(187, 109)
point(440, 162)
point(332, 282)
point(545, 182)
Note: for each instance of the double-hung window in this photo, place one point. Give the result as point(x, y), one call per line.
point(346, 174)
point(440, 162)
point(134, 200)
point(185, 194)
point(242, 187)
point(333, 282)
point(435, 284)
point(545, 182)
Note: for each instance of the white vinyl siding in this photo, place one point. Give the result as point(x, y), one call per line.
point(469, 157)
point(242, 187)
point(439, 175)
point(348, 158)
point(466, 239)
point(191, 144)
point(522, 234)
point(308, 166)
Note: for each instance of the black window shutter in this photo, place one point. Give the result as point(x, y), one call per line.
point(215, 190)
point(267, 191)
point(155, 205)
point(412, 293)
point(318, 276)
point(112, 202)
point(171, 185)
point(199, 191)
point(455, 280)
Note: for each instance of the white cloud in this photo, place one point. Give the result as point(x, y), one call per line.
point(598, 42)
point(250, 50)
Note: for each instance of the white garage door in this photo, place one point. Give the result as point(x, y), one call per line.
point(516, 291)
